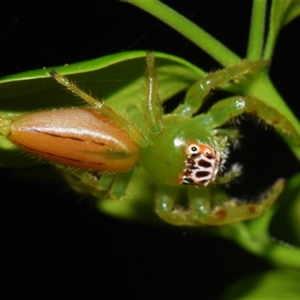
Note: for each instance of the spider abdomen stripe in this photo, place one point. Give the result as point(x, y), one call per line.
point(82, 138)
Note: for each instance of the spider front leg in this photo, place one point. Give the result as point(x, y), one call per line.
point(228, 109)
point(221, 209)
point(198, 92)
point(211, 205)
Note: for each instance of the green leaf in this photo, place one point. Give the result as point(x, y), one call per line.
point(113, 78)
point(188, 29)
point(282, 12)
point(257, 30)
point(289, 211)
point(292, 12)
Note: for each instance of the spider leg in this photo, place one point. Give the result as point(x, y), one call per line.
point(227, 109)
point(153, 107)
point(232, 134)
point(225, 211)
point(108, 186)
point(234, 171)
point(198, 92)
point(212, 206)
point(102, 108)
point(167, 208)
point(143, 125)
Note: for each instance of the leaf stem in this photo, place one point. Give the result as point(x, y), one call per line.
point(190, 30)
point(257, 28)
point(261, 244)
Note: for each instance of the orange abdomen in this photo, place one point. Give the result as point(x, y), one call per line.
point(81, 138)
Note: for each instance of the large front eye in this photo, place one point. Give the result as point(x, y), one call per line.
point(193, 149)
point(207, 152)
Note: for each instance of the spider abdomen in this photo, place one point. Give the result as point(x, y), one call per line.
point(81, 138)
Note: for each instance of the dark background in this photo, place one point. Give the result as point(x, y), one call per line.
point(53, 242)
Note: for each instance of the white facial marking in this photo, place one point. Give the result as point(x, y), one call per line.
point(201, 165)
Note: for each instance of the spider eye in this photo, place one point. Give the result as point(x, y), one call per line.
point(194, 149)
point(207, 153)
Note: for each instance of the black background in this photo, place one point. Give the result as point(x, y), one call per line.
point(54, 243)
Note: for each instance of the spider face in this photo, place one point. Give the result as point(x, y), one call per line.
point(179, 154)
point(201, 165)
